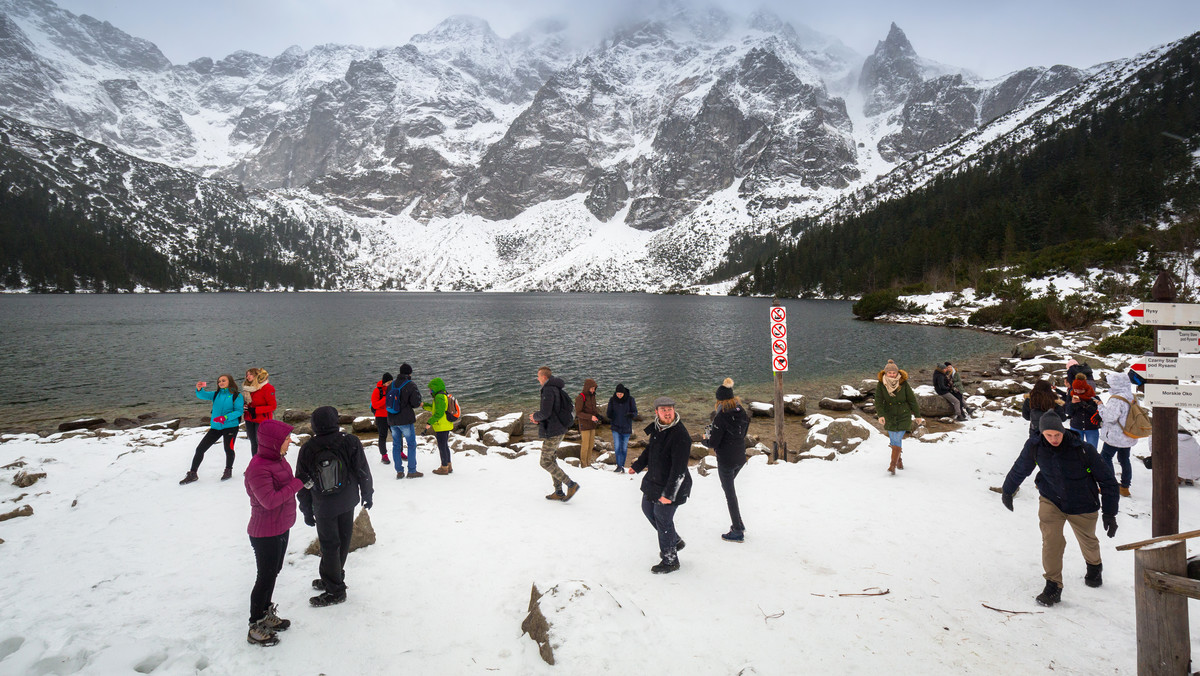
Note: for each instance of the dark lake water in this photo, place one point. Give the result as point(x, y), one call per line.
point(67, 356)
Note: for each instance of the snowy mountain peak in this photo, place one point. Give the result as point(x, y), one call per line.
point(896, 45)
point(889, 74)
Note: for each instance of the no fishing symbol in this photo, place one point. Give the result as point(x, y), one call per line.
point(778, 314)
point(779, 330)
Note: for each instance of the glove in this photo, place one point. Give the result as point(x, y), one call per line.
point(1110, 524)
point(309, 520)
point(367, 503)
point(219, 419)
point(1006, 498)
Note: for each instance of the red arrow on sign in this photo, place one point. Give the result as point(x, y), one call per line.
point(1137, 312)
point(1138, 366)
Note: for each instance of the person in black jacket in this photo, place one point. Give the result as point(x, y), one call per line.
point(403, 422)
point(335, 472)
point(668, 482)
point(1070, 472)
point(1042, 400)
point(553, 418)
point(727, 435)
point(621, 411)
point(945, 389)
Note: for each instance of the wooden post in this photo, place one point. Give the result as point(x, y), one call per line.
point(1164, 440)
point(780, 444)
point(1163, 644)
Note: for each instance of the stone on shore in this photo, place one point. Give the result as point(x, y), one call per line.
point(25, 479)
point(934, 406)
point(759, 409)
point(852, 393)
point(795, 404)
point(700, 451)
point(512, 424)
point(831, 404)
point(81, 424)
point(293, 416)
point(362, 536)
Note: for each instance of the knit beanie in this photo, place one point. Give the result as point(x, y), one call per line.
point(1082, 388)
point(271, 434)
point(386, 377)
point(725, 391)
point(1050, 423)
point(405, 370)
point(891, 367)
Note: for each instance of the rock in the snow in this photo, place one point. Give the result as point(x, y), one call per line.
point(512, 424)
point(293, 416)
point(760, 409)
point(537, 627)
point(19, 512)
point(795, 404)
point(345, 419)
point(363, 535)
point(168, 425)
point(830, 404)
point(81, 424)
point(852, 393)
point(364, 424)
point(996, 389)
point(469, 420)
point(1036, 347)
point(699, 451)
point(568, 449)
point(25, 479)
point(495, 438)
point(934, 406)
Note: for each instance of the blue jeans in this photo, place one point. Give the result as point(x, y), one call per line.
point(1090, 436)
point(1122, 457)
point(620, 447)
point(896, 438)
point(399, 434)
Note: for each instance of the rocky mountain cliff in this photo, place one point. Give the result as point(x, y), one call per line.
point(627, 164)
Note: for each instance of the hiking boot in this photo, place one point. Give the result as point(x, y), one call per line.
point(384, 459)
point(557, 495)
point(227, 474)
point(188, 478)
point(1124, 491)
point(415, 475)
point(273, 621)
point(442, 471)
point(326, 599)
point(572, 488)
point(734, 536)
point(449, 468)
point(1093, 578)
point(900, 459)
point(1050, 595)
point(665, 567)
point(399, 475)
point(318, 584)
point(619, 470)
point(261, 635)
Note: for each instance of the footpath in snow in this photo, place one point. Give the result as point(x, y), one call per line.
point(122, 571)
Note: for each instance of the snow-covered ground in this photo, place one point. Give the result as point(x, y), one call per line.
point(120, 570)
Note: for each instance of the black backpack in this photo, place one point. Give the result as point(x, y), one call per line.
point(329, 475)
point(565, 410)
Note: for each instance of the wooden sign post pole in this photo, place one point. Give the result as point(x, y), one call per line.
point(1164, 441)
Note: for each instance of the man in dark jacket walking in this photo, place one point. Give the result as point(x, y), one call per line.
point(668, 482)
point(403, 419)
point(1070, 471)
point(553, 418)
point(335, 471)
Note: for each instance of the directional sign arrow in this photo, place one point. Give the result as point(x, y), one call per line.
point(1168, 368)
point(1181, 341)
point(1166, 314)
point(1173, 396)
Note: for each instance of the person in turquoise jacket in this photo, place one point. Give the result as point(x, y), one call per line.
point(224, 420)
point(441, 426)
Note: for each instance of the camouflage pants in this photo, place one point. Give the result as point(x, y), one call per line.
point(550, 461)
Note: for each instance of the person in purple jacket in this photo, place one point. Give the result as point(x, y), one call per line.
point(272, 489)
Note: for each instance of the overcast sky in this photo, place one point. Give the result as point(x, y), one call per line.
point(989, 38)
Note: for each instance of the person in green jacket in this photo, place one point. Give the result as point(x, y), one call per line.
point(224, 419)
point(896, 404)
point(441, 426)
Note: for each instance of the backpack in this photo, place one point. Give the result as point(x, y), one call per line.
point(1137, 423)
point(330, 474)
point(453, 412)
point(393, 402)
point(565, 411)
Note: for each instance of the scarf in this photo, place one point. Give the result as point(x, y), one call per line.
point(892, 383)
point(658, 426)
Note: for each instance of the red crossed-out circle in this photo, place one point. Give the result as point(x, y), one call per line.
point(778, 330)
point(780, 363)
point(778, 314)
point(779, 347)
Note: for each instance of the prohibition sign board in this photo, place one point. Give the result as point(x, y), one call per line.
point(779, 346)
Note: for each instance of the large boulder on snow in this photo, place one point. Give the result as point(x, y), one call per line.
point(1036, 347)
point(495, 438)
point(831, 404)
point(363, 535)
point(700, 451)
point(512, 424)
point(840, 435)
point(81, 424)
point(852, 393)
point(362, 425)
point(998, 389)
point(795, 404)
point(934, 406)
point(469, 420)
point(294, 415)
point(760, 409)
point(562, 621)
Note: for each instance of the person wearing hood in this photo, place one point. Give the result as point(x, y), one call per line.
point(621, 411)
point(405, 396)
point(335, 473)
point(440, 425)
point(1084, 411)
point(224, 419)
point(260, 406)
point(379, 409)
point(667, 483)
point(1073, 483)
point(897, 406)
point(727, 436)
point(272, 490)
point(553, 418)
point(1112, 429)
point(589, 420)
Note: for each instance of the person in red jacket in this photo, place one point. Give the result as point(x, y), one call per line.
point(260, 405)
point(379, 407)
point(272, 489)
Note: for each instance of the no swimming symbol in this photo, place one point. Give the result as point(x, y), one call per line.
point(779, 347)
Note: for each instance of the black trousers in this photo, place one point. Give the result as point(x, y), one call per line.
point(662, 517)
point(381, 425)
point(728, 473)
point(334, 535)
point(443, 442)
point(210, 438)
point(268, 557)
point(252, 435)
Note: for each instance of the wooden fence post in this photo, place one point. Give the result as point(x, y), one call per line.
point(1163, 643)
point(1164, 440)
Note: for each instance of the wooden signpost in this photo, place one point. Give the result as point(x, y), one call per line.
point(779, 364)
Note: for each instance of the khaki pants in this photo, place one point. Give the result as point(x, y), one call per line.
point(1054, 544)
point(587, 441)
point(550, 461)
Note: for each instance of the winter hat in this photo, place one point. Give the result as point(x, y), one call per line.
point(325, 420)
point(405, 370)
point(664, 401)
point(1081, 388)
point(891, 367)
point(725, 391)
point(1072, 362)
point(386, 377)
point(1050, 423)
point(271, 434)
